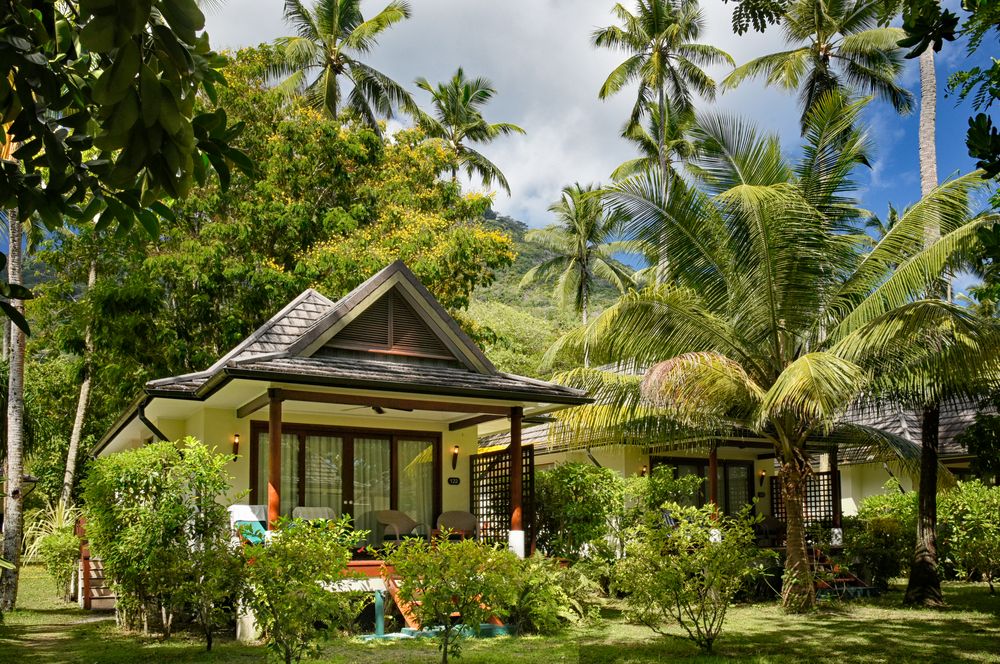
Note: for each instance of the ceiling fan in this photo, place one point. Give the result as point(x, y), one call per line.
point(380, 410)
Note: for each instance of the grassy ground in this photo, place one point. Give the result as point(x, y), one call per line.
point(47, 630)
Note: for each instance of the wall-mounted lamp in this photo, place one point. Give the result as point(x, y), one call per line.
point(762, 475)
point(454, 457)
point(642, 473)
point(236, 445)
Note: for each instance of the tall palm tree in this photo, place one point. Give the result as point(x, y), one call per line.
point(664, 58)
point(786, 315)
point(324, 53)
point(458, 120)
point(924, 584)
point(676, 142)
point(836, 45)
point(583, 249)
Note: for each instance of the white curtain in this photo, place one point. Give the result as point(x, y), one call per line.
point(289, 471)
point(324, 472)
point(371, 482)
point(416, 480)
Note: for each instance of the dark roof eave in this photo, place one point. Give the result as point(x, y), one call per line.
point(303, 379)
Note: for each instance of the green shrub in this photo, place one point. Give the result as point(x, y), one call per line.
point(60, 552)
point(688, 570)
point(879, 541)
point(550, 595)
point(151, 513)
point(290, 583)
point(972, 538)
point(573, 505)
point(442, 577)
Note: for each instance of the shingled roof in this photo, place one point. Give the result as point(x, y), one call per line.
point(285, 349)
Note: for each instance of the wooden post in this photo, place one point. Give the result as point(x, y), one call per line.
point(835, 488)
point(516, 538)
point(273, 458)
point(713, 476)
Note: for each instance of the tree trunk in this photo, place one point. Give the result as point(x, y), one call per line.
point(662, 260)
point(924, 587)
point(586, 345)
point(798, 592)
point(81, 404)
point(13, 516)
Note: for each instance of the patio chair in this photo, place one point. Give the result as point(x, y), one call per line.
point(463, 524)
point(249, 522)
point(399, 523)
point(314, 513)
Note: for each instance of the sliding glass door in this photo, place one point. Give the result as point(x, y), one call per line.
point(352, 472)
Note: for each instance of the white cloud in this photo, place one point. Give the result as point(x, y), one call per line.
point(539, 57)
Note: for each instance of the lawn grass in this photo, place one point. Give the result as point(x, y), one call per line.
point(876, 630)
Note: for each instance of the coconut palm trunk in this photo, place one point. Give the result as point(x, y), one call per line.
point(924, 586)
point(13, 514)
point(82, 402)
point(798, 591)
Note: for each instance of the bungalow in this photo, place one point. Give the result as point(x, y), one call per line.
point(367, 406)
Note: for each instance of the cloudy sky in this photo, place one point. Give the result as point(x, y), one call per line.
point(539, 57)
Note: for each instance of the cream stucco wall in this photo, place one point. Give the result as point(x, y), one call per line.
point(859, 481)
point(216, 426)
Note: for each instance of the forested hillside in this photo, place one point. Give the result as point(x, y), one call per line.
point(522, 322)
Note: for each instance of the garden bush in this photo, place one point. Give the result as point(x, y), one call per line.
point(573, 505)
point(688, 569)
point(550, 595)
point(290, 583)
point(60, 552)
point(156, 518)
point(442, 577)
point(972, 538)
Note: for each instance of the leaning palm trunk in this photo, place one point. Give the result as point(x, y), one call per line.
point(798, 590)
point(924, 586)
point(82, 402)
point(13, 502)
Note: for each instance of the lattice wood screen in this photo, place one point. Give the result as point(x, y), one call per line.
point(490, 489)
point(818, 507)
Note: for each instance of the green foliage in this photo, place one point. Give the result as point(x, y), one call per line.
point(41, 522)
point(982, 440)
point(331, 37)
point(290, 584)
point(689, 570)
point(878, 541)
point(550, 596)
point(100, 106)
point(458, 120)
point(514, 339)
point(60, 552)
point(156, 518)
point(443, 577)
point(972, 513)
point(573, 504)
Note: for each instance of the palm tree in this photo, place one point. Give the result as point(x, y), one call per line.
point(785, 315)
point(664, 58)
point(676, 143)
point(458, 120)
point(330, 38)
point(582, 247)
point(924, 584)
point(836, 45)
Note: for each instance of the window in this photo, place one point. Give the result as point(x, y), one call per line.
point(351, 471)
point(734, 480)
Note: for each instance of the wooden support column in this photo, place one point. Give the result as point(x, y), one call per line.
point(516, 539)
point(273, 458)
point(835, 488)
point(713, 475)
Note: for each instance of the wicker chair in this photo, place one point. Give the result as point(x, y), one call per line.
point(464, 524)
point(393, 525)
